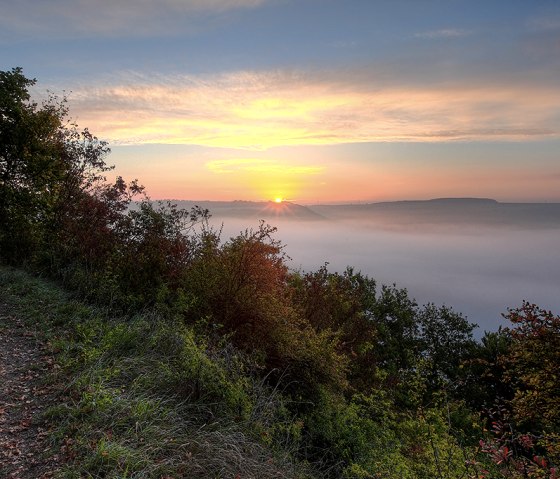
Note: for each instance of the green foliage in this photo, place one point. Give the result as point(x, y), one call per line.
point(145, 398)
point(369, 437)
point(386, 335)
point(241, 290)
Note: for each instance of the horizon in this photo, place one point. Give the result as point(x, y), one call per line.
point(310, 101)
point(357, 202)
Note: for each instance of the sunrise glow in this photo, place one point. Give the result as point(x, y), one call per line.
point(237, 111)
point(372, 109)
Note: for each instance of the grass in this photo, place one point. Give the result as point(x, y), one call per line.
point(145, 397)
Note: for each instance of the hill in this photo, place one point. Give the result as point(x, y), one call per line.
point(265, 210)
point(437, 213)
point(447, 212)
point(89, 394)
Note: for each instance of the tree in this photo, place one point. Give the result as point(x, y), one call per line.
point(29, 147)
point(484, 384)
point(46, 167)
point(532, 366)
point(522, 373)
point(445, 340)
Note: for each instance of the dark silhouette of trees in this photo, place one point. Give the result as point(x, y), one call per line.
point(46, 168)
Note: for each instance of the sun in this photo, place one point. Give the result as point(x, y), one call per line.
point(278, 199)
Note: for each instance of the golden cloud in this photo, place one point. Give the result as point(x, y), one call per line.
point(253, 110)
point(255, 165)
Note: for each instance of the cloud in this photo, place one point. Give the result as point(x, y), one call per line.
point(256, 165)
point(546, 23)
point(260, 110)
point(63, 18)
point(344, 44)
point(444, 33)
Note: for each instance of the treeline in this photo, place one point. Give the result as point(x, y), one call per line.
point(367, 382)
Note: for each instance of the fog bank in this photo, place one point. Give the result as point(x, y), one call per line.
point(479, 271)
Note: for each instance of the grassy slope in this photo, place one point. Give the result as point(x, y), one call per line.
point(146, 398)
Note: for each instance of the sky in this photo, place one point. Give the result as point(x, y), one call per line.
point(313, 101)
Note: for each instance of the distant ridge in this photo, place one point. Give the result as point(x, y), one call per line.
point(429, 215)
point(450, 200)
point(463, 200)
point(254, 209)
point(446, 212)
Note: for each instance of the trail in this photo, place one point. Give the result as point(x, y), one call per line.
point(25, 366)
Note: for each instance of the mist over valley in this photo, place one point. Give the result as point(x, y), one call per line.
point(478, 256)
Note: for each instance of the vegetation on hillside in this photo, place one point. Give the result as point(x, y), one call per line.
point(198, 356)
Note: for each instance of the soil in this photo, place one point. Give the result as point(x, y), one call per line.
point(26, 368)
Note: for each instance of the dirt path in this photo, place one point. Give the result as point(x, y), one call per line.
point(25, 366)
